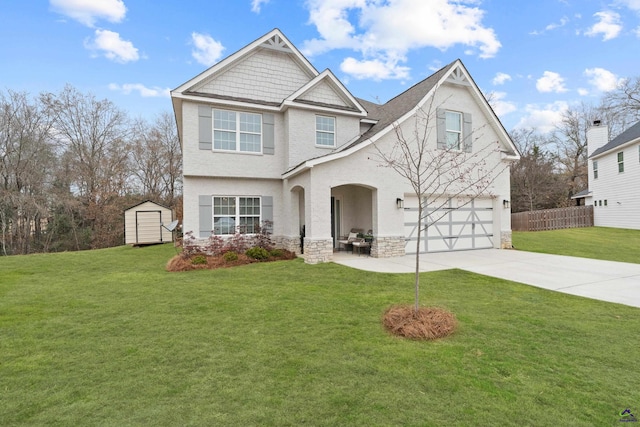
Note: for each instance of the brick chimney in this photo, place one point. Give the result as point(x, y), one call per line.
point(597, 136)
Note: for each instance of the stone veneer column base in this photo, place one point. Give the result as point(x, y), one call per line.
point(290, 243)
point(316, 251)
point(387, 247)
point(505, 240)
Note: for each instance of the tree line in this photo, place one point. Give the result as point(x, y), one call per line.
point(71, 163)
point(554, 167)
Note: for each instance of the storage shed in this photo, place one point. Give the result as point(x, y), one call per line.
point(143, 224)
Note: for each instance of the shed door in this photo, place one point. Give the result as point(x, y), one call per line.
point(148, 228)
point(463, 228)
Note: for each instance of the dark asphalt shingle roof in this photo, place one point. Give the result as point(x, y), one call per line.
point(392, 110)
point(628, 135)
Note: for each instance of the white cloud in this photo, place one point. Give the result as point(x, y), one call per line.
point(543, 118)
point(499, 105)
point(113, 47)
point(601, 79)
point(609, 25)
point(553, 26)
point(257, 4)
point(206, 51)
point(145, 92)
point(500, 79)
point(87, 12)
point(384, 31)
point(631, 4)
point(550, 82)
point(583, 92)
point(374, 69)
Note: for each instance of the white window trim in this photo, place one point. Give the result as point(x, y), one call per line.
point(447, 130)
point(237, 215)
point(595, 169)
point(325, 132)
point(237, 132)
point(620, 162)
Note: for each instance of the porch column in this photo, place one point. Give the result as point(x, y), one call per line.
point(318, 244)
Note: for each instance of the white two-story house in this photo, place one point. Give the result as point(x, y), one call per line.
point(614, 177)
point(265, 136)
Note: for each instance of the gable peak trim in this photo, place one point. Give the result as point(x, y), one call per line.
point(458, 76)
point(277, 43)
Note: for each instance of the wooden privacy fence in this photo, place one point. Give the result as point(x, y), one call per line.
point(553, 219)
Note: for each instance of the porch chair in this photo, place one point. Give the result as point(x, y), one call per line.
point(353, 235)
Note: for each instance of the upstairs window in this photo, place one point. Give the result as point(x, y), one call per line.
point(453, 121)
point(621, 162)
point(325, 131)
point(595, 169)
point(237, 131)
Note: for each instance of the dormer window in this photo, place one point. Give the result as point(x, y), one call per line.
point(325, 131)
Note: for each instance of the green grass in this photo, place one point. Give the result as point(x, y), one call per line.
point(109, 338)
point(612, 244)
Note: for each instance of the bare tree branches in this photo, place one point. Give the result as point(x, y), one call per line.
point(437, 173)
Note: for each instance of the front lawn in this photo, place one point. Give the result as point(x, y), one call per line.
point(108, 337)
point(612, 244)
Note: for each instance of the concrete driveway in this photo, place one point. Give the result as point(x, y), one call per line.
point(604, 280)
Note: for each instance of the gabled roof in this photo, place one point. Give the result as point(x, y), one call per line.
point(294, 86)
point(394, 109)
point(628, 136)
point(347, 102)
point(274, 39)
point(407, 104)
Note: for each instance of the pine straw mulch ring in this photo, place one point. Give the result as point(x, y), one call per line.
point(428, 323)
point(182, 263)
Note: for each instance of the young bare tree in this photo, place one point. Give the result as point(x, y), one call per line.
point(439, 172)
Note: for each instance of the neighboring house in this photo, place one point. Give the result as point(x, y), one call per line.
point(614, 177)
point(265, 136)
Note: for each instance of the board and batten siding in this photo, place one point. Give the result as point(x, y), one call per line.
point(620, 190)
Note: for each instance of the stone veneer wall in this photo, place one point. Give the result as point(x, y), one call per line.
point(316, 251)
point(387, 247)
point(289, 243)
point(505, 240)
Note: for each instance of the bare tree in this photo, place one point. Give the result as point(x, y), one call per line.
point(571, 144)
point(26, 157)
point(157, 158)
point(535, 182)
point(439, 173)
point(94, 134)
point(623, 103)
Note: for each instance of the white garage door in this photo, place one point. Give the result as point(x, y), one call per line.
point(459, 225)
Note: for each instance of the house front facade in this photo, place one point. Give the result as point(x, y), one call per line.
point(614, 177)
point(266, 137)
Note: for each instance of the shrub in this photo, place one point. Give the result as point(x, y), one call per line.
point(276, 253)
point(238, 243)
point(230, 256)
point(199, 260)
point(262, 236)
point(257, 253)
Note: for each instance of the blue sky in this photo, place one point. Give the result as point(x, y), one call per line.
point(537, 57)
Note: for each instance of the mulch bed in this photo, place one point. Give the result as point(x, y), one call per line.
point(428, 323)
point(180, 263)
